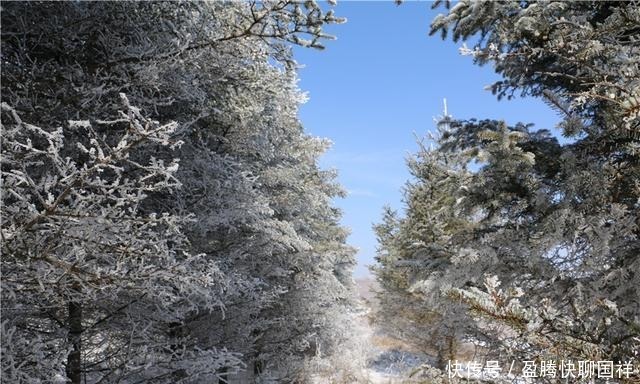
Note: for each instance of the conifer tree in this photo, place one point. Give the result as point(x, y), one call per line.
point(158, 190)
point(545, 262)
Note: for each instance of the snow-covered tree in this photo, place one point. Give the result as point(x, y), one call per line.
point(417, 250)
point(173, 273)
point(87, 272)
point(545, 259)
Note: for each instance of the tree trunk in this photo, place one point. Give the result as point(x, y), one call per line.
point(74, 359)
point(177, 332)
point(224, 376)
point(258, 367)
point(452, 348)
point(440, 362)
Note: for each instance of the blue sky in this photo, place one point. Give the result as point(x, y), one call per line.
point(379, 85)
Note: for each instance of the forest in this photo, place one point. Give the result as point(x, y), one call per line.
point(166, 218)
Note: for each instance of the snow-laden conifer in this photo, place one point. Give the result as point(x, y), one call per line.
point(540, 245)
point(183, 232)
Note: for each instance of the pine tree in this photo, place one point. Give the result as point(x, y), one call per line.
point(546, 260)
point(417, 249)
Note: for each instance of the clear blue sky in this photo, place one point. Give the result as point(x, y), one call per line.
point(377, 86)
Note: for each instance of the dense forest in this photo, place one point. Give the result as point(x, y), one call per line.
point(165, 218)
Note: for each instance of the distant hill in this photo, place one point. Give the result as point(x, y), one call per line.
point(366, 287)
